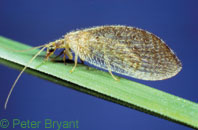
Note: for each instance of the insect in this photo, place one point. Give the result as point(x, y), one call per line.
point(122, 49)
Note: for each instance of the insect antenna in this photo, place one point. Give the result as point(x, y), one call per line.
point(10, 92)
point(25, 50)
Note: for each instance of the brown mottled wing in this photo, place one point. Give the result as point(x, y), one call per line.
point(133, 52)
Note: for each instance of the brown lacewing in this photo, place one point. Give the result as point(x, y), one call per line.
point(125, 50)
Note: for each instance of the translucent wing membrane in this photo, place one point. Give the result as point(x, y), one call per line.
point(130, 51)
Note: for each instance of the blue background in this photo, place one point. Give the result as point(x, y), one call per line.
point(36, 22)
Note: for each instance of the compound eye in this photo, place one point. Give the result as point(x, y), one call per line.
point(51, 49)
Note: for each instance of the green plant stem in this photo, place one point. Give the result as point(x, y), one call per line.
point(101, 84)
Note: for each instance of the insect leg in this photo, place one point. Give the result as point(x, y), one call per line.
point(75, 63)
point(109, 69)
point(64, 56)
point(106, 60)
point(48, 55)
point(68, 53)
